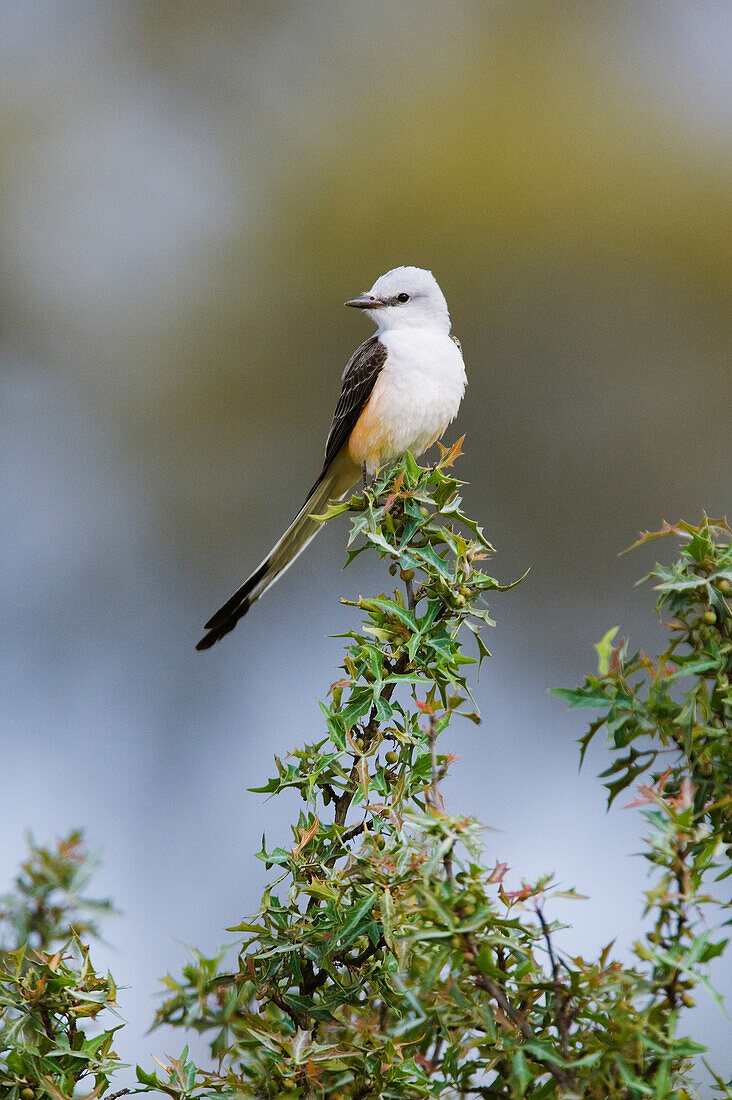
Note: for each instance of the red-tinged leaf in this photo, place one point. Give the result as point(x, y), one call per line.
point(362, 768)
point(526, 891)
point(648, 536)
point(424, 1064)
point(498, 873)
point(681, 528)
point(396, 489)
point(306, 837)
point(312, 1070)
point(426, 708)
point(645, 795)
point(342, 684)
point(648, 793)
point(685, 798)
point(615, 666)
point(449, 454)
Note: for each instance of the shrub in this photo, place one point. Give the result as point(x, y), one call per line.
point(387, 958)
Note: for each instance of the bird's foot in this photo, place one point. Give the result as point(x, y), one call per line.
point(369, 480)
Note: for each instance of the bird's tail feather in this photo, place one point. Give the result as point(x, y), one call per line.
point(333, 484)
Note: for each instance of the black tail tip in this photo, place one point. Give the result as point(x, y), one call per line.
point(217, 628)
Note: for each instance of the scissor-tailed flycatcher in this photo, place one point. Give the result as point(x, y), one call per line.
point(400, 391)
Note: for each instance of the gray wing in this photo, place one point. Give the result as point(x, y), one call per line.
point(359, 379)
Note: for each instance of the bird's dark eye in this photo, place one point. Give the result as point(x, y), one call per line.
point(402, 297)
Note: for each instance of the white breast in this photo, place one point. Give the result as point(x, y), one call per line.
point(416, 396)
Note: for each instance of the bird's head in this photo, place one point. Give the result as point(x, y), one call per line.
point(406, 297)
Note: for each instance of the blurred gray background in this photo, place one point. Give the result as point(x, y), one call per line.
point(188, 193)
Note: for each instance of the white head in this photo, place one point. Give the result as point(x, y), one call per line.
point(406, 297)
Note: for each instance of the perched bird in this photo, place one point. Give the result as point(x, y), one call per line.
point(400, 391)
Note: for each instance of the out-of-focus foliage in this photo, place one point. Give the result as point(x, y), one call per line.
point(48, 900)
point(49, 989)
point(58, 1015)
point(645, 712)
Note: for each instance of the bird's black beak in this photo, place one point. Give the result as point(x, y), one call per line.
point(365, 301)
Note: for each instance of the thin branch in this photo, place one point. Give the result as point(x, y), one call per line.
point(565, 1078)
point(343, 802)
point(411, 601)
point(299, 1019)
point(434, 796)
point(364, 956)
point(447, 864)
point(354, 831)
point(561, 995)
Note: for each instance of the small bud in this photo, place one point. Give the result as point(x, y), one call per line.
point(27, 1093)
point(710, 617)
point(724, 586)
point(688, 1000)
point(392, 757)
point(460, 601)
point(465, 591)
point(359, 744)
point(424, 511)
point(393, 569)
point(407, 574)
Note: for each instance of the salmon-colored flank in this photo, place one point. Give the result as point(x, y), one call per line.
point(366, 440)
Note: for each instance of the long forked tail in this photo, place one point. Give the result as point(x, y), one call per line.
point(333, 484)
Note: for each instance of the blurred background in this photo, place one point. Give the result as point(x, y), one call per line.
point(188, 193)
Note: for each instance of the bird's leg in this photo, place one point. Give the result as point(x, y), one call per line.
point(368, 481)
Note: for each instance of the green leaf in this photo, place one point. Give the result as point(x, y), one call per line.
point(590, 696)
point(604, 650)
point(355, 924)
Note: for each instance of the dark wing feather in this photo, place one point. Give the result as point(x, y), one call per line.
point(359, 379)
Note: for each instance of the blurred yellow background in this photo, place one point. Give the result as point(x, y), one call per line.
point(188, 193)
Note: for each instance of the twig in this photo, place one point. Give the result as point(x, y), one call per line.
point(313, 981)
point(343, 802)
point(434, 796)
point(561, 995)
point(364, 956)
point(565, 1078)
point(447, 864)
point(681, 874)
point(354, 831)
point(299, 1019)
